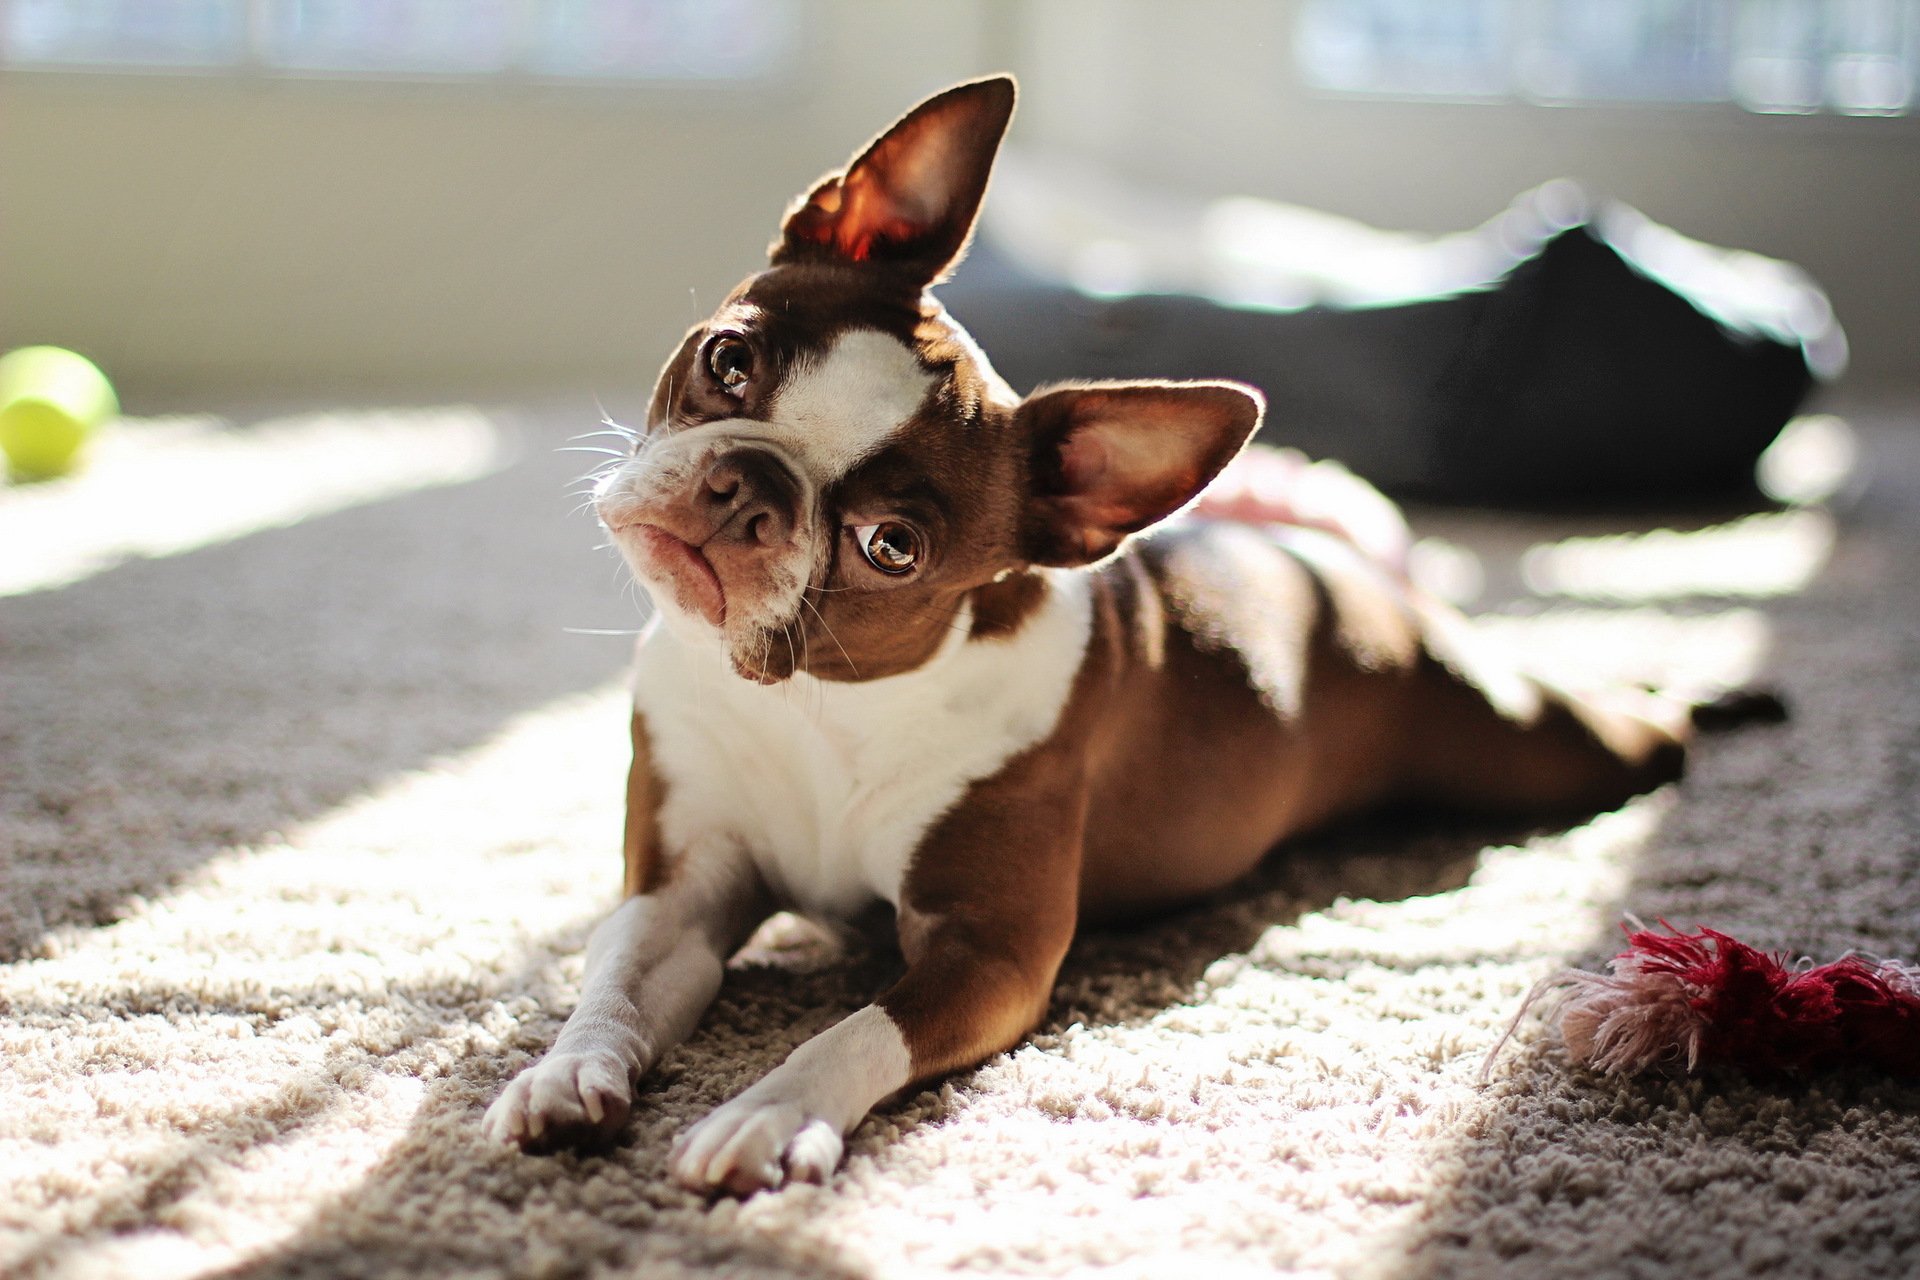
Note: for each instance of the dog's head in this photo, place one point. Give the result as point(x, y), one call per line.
point(832, 473)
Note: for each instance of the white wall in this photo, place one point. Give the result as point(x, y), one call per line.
point(274, 236)
point(233, 236)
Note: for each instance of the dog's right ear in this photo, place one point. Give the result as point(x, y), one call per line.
point(1107, 459)
point(908, 200)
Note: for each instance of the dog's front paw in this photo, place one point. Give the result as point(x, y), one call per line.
point(564, 1100)
point(749, 1145)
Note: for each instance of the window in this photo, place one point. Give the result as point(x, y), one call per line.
point(1411, 47)
point(443, 37)
point(127, 33)
point(463, 39)
point(1854, 57)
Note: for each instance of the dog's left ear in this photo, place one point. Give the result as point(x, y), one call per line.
point(1111, 458)
point(907, 201)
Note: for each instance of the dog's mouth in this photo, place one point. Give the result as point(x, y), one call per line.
point(683, 568)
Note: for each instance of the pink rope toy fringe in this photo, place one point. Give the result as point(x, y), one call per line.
point(1701, 999)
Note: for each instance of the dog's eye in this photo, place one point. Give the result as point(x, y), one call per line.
point(731, 362)
point(890, 547)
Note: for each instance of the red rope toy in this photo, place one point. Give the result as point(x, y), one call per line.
point(1708, 999)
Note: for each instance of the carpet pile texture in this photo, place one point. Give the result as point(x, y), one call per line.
point(303, 825)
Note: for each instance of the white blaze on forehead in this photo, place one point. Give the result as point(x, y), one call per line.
point(833, 410)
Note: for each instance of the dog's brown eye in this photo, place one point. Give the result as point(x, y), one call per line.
point(731, 362)
point(890, 547)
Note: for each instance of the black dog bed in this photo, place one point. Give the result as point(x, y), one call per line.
point(1597, 360)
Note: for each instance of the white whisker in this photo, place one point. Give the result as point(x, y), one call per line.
point(829, 630)
point(612, 429)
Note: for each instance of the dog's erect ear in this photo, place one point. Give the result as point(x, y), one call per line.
point(909, 199)
point(1111, 458)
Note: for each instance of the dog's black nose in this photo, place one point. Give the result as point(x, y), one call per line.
point(753, 498)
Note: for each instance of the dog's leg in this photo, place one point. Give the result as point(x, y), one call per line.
point(788, 1125)
point(1484, 736)
point(653, 967)
point(966, 998)
point(982, 949)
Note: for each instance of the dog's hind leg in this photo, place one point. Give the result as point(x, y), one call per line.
point(1484, 736)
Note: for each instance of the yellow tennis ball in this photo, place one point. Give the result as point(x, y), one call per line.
point(50, 400)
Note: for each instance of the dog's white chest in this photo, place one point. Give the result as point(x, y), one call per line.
point(830, 787)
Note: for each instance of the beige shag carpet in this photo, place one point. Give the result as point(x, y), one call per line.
point(309, 793)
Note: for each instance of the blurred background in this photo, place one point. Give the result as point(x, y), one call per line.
point(397, 199)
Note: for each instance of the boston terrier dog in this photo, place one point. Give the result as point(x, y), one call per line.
point(908, 647)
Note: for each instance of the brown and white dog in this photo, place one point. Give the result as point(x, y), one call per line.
point(905, 650)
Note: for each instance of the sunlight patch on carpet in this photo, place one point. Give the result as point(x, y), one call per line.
point(1772, 554)
point(1592, 647)
point(164, 486)
point(187, 1087)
